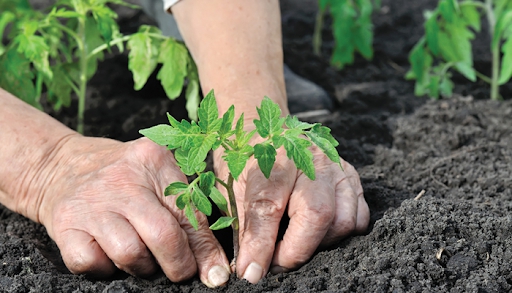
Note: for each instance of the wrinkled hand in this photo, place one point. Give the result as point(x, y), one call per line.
point(321, 212)
point(105, 208)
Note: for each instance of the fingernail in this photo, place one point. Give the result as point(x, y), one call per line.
point(253, 273)
point(277, 270)
point(218, 276)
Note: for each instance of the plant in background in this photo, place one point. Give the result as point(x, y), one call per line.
point(192, 141)
point(352, 29)
point(59, 52)
point(447, 45)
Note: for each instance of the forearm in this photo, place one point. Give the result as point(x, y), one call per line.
point(238, 50)
point(30, 144)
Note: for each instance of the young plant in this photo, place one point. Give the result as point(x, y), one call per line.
point(59, 51)
point(446, 45)
point(192, 141)
point(352, 29)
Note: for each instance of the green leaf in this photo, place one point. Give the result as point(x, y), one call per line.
point(105, 20)
point(163, 134)
point(201, 202)
point(36, 50)
point(143, 58)
point(188, 162)
point(506, 63)
point(222, 222)
point(192, 96)
point(209, 114)
point(321, 136)
point(174, 57)
point(432, 31)
point(60, 87)
point(183, 200)
point(227, 123)
point(503, 21)
point(16, 77)
point(446, 87)
point(471, 15)
point(206, 182)
point(466, 70)
point(294, 122)
point(191, 216)
point(237, 159)
point(176, 188)
point(270, 122)
point(219, 200)
point(297, 150)
point(434, 86)
point(266, 156)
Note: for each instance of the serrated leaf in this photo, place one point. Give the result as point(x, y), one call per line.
point(191, 216)
point(143, 58)
point(266, 156)
point(163, 134)
point(105, 20)
point(222, 222)
point(209, 114)
point(219, 200)
point(270, 122)
point(466, 70)
point(174, 57)
point(201, 201)
point(227, 123)
point(503, 21)
point(297, 150)
point(471, 15)
point(36, 50)
point(16, 77)
point(237, 159)
point(188, 162)
point(321, 137)
point(183, 200)
point(294, 122)
point(176, 188)
point(206, 182)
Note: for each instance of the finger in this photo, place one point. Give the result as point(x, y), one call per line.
point(165, 238)
point(212, 263)
point(82, 254)
point(265, 203)
point(311, 210)
point(122, 244)
point(363, 215)
point(348, 193)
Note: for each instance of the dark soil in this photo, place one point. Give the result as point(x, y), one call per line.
point(456, 238)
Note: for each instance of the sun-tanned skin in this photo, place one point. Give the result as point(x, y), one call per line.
point(101, 200)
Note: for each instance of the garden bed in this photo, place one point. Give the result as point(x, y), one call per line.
point(457, 153)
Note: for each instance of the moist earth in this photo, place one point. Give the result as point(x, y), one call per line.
point(437, 175)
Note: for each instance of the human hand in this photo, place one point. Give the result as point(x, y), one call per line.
point(321, 212)
point(103, 204)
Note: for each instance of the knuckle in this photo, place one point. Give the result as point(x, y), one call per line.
point(319, 215)
point(126, 255)
point(345, 225)
point(265, 208)
point(78, 263)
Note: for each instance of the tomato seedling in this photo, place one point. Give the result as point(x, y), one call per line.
point(449, 30)
point(59, 51)
point(192, 141)
point(351, 27)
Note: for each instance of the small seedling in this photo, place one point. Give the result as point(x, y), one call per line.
point(58, 51)
point(351, 27)
point(192, 141)
point(449, 30)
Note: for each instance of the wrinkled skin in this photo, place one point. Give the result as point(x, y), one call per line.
point(321, 212)
point(106, 209)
